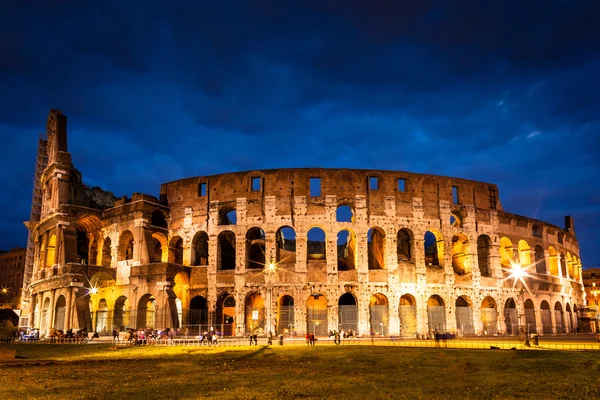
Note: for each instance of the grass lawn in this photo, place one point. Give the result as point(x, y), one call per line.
point(345, 372)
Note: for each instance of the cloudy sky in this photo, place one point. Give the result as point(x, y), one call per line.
point(500, 92)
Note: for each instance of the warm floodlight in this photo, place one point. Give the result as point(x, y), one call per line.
point(93, 290)
point(4, 290)
point(271, 267)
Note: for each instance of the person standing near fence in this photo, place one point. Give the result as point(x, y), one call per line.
point(115, 334)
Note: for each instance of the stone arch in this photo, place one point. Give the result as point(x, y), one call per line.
point(225, 315)
point(540, 260)
point(102, 317)
point(570, 265)
point(379, 314)
point(344, 213)
point(176, 250)
point(106, 252)
point(44, 323)
point(558, 317)
point(484, 244)
point(93, 252)
point(146, 315)
point(346, 250)
point(121, 314)
point(316, 311)
point(255, 249)
point(546, 317)
point(51, 251)
point(226, 250)
point(524, 253)
point(455, 220)
point(536, 230)
point(254, 314)
point(563, 265)
point(83, 245)
point(60, 313)
point(407, 313)
point(436, 314)
point(489, 316)
point(316, 244)
point(348, 314)
point(511, 317)
point(285, 314)
point(530, 324)
point(198, 315)
point(200, 248)
point(285, 245)
point(553, 261)
point(125, 251)
point(404, 242)
point(464, 315)
point(159, 219)
point(460, 251)
point(159, 248)
point(376, 248)
point(506, 253)
point(101, 280)
point(227, 215)
point(434, 248)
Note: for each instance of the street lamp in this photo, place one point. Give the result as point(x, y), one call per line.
point(518, 273)
point(270, 269)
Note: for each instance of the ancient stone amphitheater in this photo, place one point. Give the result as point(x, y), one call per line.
point(294, 250)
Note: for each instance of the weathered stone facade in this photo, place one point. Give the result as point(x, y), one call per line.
point(375, 252)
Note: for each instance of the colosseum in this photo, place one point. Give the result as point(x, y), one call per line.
point(385, 253)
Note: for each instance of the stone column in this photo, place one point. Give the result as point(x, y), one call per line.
point(69, 308)
point(553, 319)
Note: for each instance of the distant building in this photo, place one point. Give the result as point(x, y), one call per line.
point(388, 253)
point(591, 284)
point(12, 264)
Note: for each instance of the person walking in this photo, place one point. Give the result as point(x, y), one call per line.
point(115, 334)
point(336, 337)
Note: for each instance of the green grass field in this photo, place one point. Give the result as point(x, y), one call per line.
point(347, 372)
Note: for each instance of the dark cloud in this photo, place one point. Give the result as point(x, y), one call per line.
point(503, 93)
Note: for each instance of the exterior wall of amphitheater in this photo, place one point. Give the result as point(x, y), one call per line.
point(183, 260)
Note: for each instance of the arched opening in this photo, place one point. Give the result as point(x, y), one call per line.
point(404, 245)
point(379, 314)
point(455, 220)
point(200, 249)
point(125, 246)
point(434, 249)
point(51, 251)
point(255, 248)
point(159, 246)
point(344, 214)
point(540, 260)
point(158, 219)
point(546, 317)
point(407, 312)
point(460, 250)
point(376, 248)
point(102, 317)
point(348, 314)
point(121, 314)
point(553, 261)
point(198, 315)
point(255, 314)
point(106, 253)
point(489, 316)
point(563, 265)
point(59, 313)
point(82, 246)
point(558, 317)
point(93, 255)
point(536, 230)
point(464, 315)
point(226, 314)
point(226, 250)
point(285, 315)
point(146, 315)
point(227, 216)
point(506, 254)
point(346, 250)
point(316, 245)
point(570, 265)
point(176, 250)
point(484, 244)
point(524, 253)
point(510, 317)
point(316, 311)
point(177, 322)
point(530, 324)
point(101, 280)
point(285, 245)
point(45, 315)
point(436, 314)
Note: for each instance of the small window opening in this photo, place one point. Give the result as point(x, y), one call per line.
point(401, 185)
point(315, 187)
point(255, 183)
point(202, 189)
point(373, 183)
point(455, 194)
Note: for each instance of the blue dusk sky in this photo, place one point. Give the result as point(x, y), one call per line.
point(506, 92)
